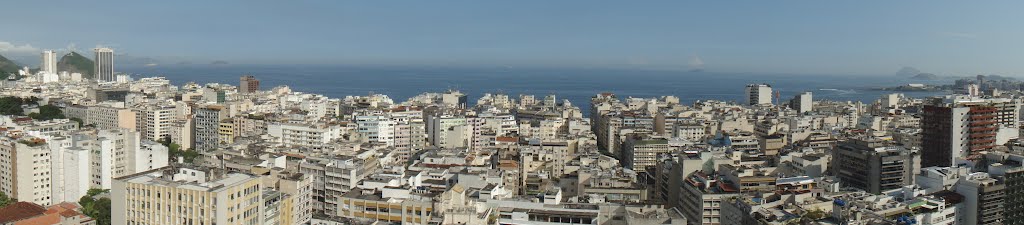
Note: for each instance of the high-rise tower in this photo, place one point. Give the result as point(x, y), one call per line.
point(759, 94)
point(104, 64)
point(49, 62)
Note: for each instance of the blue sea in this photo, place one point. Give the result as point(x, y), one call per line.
point(576, 85)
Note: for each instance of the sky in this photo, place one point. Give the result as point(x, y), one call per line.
point(802, 37)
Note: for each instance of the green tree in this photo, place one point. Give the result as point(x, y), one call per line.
point(94, 191)
point(86, 203)
point(174, 151)
point(11, 105)
point(4, 200)
point(98, 209)
point(102, 211)
point(48, 112)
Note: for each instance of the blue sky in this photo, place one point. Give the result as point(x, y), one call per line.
point(852, 37)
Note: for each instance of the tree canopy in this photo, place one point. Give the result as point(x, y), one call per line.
point(98, 209)
point(4, 200)
point(48, 112)
point(174, 150)
point(11, 105)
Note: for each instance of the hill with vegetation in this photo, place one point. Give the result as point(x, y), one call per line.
point(76, 63)
point(7, 68)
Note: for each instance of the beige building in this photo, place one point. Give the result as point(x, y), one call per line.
point(186, 196)
point(226, 133)
point(25, 170)
point(110, 115)
point(248, 126)
point(181, 132)
point(154, 121)
point(391, 205)
point(291, 197)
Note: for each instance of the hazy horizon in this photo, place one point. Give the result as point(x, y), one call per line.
point(872, 37)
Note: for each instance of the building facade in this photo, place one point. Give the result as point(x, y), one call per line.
point(874, 165)
point(207, 127)
point(759, 94)
point(948, 133)
point(49, 62)
point(104, 71)
point(186, 196)
point(248, 84)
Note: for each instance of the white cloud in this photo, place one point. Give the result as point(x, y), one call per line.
point(12, 48)
point(72, 47)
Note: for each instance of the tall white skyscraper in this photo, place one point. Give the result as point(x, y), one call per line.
point(49, 64)
point(759, 94)
point(104, 64)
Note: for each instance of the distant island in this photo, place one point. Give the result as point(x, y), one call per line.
point(913, 87)
point(925, 76)
point(958, 83)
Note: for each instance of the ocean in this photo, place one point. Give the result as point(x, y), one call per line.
point(576, 85)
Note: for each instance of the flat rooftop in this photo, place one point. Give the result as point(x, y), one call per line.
point(158, 178)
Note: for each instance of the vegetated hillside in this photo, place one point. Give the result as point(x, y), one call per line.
point(76, 63)
point(7, 68)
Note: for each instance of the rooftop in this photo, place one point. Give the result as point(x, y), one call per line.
point(20, 211)
point(166, 177)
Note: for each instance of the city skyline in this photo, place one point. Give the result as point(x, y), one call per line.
point(525, 112)
point(843, 38)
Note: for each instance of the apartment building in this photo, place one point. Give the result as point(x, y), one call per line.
point(874, 165)
point(187, 196)
point(25, 171)
point(154, 121)
point(207, 127)
point(314, 136)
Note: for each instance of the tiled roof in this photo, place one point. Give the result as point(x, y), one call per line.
point(20, 211)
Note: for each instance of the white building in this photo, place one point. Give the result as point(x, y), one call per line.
point(972, 90)
point(304, 135)
point(104, 65)
point(448, 131)
point(378, 128)
point(123, 78)
point(117, 149)
point(49, 62)
point(759, 94)
point(75, 180)
point(935, 179)
point(150, 155)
